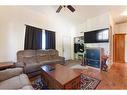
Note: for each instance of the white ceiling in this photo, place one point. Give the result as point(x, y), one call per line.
point(82, 12)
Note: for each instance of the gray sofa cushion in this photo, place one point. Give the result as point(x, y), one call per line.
point(28, 87)
point(45, 62)
point(53, 54)
point(25, 53)
point(19, 64)
point(29, 68)
point(29, 59)
point(34, 59)
point(9, 73)
point(17, 82)
point(50, 62)
point(42, 57)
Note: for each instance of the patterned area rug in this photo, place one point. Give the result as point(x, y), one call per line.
point(87, 83)
point(39, 84)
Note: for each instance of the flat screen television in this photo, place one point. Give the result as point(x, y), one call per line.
point(97, 36)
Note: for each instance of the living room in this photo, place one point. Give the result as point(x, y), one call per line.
point(15, 20)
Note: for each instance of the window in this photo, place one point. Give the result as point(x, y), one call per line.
point(43, 39)
point(36, 38)
point(50, 39)
point(33, 38)
point(103, 35)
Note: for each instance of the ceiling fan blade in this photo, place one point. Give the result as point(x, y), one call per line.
point(70, 8)
point(58, 10)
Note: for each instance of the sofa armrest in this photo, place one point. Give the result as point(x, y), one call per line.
point(9, 73)
point(20, 64)
point(62, 60)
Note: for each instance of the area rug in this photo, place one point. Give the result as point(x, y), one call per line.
point(87, 83)
point(38, 84)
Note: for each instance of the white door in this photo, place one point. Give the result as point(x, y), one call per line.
point(67, 47)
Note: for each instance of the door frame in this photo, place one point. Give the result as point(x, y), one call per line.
point(114, 49)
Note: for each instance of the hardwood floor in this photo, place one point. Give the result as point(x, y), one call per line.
point(115, 78)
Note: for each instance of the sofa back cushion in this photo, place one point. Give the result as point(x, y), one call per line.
point(29, 59)
point(53, 54)
point(26, 56)
point(42, 55)
point(36, 56)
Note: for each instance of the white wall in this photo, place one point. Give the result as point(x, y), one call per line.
point(98, 22)
point(122, 28)
point(12, 29)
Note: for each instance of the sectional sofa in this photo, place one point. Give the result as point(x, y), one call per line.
point(13, 78)
point(32, 60)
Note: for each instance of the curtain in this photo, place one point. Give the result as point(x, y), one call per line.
point(33, 38)
point(50, 39)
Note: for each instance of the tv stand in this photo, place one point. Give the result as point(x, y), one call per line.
point(93, 57)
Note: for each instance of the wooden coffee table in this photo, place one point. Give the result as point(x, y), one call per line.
point(4, 65)
point(61, 77)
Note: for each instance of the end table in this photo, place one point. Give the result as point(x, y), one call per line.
point(5, 65)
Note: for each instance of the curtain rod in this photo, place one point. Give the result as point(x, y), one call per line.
point(33, 26)
point(39, 27)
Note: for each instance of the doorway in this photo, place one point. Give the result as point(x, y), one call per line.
point(67, 48)
point(119, 48)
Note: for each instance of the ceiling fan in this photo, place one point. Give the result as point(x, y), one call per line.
point(68, 6)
